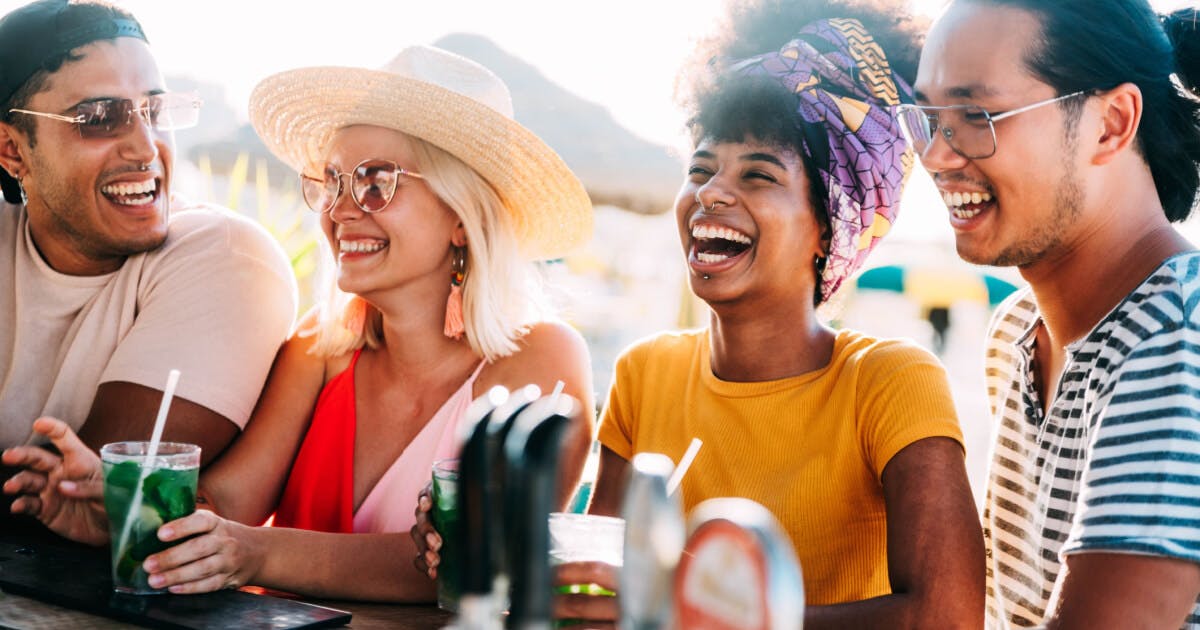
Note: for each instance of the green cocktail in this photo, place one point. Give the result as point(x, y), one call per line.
point(164, 489)
point(445, 520)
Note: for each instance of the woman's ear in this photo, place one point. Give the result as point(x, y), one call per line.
point(459, 237)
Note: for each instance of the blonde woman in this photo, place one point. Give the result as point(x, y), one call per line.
point(433, 202)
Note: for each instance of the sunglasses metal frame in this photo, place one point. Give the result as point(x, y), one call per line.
point(947, 133)
point(142, 111)
point(340, 188)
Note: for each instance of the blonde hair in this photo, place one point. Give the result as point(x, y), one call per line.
point(502, 292)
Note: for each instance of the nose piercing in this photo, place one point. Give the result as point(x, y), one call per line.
point(710, 208)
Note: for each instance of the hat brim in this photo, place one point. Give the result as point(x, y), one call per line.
point(296, 113)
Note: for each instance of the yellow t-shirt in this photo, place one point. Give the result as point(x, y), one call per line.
point(811, 448)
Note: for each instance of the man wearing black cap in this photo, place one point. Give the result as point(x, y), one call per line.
point(106, 281)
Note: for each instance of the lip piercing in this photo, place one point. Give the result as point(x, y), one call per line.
point(144, 167)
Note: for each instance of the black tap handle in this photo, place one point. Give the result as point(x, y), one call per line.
point(532, 456)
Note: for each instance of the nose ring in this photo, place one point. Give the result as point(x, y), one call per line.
point(711, 208)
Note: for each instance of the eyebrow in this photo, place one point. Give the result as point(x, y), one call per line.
point(749, 157)
point(973, 90)
point(96, 99)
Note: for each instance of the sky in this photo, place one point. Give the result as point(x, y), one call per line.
point(621, 54)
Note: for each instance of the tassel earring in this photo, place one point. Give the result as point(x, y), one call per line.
point(454, 327)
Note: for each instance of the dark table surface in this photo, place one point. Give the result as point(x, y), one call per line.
point(25, 611)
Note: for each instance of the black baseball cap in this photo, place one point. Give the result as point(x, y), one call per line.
point(36, 34)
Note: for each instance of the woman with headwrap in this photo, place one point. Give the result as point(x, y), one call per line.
point(849, 440)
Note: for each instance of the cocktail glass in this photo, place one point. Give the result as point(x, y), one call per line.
point(141, 495)
point(445, 518)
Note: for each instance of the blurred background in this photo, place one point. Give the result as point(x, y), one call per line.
point(596, 81)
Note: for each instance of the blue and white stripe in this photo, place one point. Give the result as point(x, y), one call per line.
point(1115, 463)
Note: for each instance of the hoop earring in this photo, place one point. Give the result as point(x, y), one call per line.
point(454, 326)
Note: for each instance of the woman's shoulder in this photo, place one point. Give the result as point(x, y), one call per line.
point(296, 354)
point(665, 344)
point(547, 347)
point(868, 352)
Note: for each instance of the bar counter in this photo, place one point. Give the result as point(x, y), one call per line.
point(42, 553)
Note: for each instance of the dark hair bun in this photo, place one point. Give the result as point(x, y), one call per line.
point(1182, 29)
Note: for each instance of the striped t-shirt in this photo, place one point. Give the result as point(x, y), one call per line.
point(1115, 464)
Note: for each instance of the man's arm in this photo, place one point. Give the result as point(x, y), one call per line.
point(125, 411)
point(1121, 590)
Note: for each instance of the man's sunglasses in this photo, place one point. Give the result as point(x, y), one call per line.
point(372, 185)
point(111, 117)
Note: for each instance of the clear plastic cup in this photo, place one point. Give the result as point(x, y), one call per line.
point(586, 538)
point(168, 492)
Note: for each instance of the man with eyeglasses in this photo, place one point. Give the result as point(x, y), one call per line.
point(1062, 144)
point(107, 281)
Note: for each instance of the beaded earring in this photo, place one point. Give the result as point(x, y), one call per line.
point(454, 327)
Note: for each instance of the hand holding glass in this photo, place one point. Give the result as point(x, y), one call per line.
point(167, 492)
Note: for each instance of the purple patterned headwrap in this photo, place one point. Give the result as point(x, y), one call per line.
point(844, 83)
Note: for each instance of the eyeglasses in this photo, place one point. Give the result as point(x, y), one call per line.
point(968, 129)
point(372, 185)
point(111, 117)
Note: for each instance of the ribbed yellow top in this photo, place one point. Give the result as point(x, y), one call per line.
point(811, 448)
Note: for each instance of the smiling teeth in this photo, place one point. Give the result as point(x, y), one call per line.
point(957, 199)
point(130, 188)
point(360, 247)
point(712, 231)
point(710, 258)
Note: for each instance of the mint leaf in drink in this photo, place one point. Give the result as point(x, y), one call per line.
point(124, 475)
point(170, 493)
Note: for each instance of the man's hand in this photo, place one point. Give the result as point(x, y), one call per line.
point(593, 608)
point(65, 493)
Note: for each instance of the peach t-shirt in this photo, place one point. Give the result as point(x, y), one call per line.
point(214, 301)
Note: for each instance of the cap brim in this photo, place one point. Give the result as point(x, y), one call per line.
point(296, 113)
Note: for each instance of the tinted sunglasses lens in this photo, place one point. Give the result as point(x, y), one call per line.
point(319, 194)
point(373, 184)
point(103, 119)
point(173, 111)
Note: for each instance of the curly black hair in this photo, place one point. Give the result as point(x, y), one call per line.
point(725, 107)
point(752, 27)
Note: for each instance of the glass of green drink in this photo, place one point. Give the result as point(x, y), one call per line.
point(139, 496)
point(445, 520)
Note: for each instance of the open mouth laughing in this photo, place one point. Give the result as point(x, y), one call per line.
point(966, 205)
point(132, 193)
point(717, 246)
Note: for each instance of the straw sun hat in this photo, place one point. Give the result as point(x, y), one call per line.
point(446, 100)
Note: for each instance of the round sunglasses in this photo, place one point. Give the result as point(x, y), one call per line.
point(372, 185)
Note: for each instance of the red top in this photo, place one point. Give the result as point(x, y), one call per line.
point(319, 494)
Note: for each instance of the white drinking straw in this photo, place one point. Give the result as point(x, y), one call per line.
point(151, 453)
point(684, 464)
point(558, 387)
